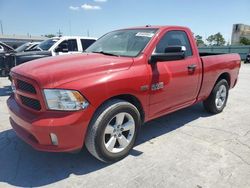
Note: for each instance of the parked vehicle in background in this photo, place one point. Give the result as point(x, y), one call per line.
point(5, 48)
point(28, 46)
point(5, 51)
point(7, 54)
point(247, 59)
point(100, 98)
point(1, 49)
point(50, 47)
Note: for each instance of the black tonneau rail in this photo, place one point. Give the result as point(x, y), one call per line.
point(209, 54)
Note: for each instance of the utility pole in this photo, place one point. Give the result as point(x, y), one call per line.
point(59, 33)
point(88, 33)
point(1, 25)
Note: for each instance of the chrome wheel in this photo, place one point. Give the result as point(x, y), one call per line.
point(221, 96)
point(119, 132)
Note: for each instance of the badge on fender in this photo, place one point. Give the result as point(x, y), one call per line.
point(157, 86)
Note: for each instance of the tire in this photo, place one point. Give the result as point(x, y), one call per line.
point(217, 100)
point(107, 131)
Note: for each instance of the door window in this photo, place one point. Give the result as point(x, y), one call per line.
point(72, 45)
point(86, 43)
point(174, 38)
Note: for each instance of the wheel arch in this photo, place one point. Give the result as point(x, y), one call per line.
point(225, 76)
point(129, 98)
point(133, 100)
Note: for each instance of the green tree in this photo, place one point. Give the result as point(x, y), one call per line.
point(199, 40)
point(216, 39)
point(49, 35)
point(210, 40)
point(244, 41)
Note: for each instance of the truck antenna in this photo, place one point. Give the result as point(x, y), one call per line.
point(59, 33)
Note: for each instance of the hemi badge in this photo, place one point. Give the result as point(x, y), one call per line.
point(157, 86)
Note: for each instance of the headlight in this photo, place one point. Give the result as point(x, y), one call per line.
point(68, 100)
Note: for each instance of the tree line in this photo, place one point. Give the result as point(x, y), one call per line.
point(218, 40)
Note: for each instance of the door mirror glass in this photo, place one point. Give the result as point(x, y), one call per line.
point(175, 49)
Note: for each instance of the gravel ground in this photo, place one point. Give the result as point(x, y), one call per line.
point(188, 148)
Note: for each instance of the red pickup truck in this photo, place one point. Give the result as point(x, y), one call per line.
point(100, 98)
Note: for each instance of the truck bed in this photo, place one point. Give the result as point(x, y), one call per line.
point(213, 65)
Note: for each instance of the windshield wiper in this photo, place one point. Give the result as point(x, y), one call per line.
point(105, 53)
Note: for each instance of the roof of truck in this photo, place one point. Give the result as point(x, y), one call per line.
point(157, 27)
point(74, 37)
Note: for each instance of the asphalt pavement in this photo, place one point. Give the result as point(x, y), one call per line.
point(188, 148)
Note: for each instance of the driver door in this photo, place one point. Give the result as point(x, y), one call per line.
point(172, 84)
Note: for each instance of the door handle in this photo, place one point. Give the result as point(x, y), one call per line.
point(192, 67)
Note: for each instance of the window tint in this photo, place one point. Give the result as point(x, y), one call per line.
point(174, 38)
point(86, 43)
point(22, 47)
point(72, 45)
point(46, 44)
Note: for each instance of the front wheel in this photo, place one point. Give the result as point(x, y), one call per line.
point(113, 130)
point(217, 100)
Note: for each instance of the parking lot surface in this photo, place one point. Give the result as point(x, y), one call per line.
point(188, 148)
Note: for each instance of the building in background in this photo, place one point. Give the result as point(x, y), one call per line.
point(17, 40)
point(239, 31)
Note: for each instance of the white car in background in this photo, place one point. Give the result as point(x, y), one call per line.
point(66, 44)
point(50, 47)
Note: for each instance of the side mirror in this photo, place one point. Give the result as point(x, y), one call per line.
point(57, 49)
point(62, 48)
point(171, 53)
point(172, 49)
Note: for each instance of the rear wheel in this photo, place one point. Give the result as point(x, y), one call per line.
point(113, 130)
point(217, 100)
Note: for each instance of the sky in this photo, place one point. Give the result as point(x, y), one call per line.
point(96, 17)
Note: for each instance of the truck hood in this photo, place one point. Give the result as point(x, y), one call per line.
point(23, 57)
point(55, 71)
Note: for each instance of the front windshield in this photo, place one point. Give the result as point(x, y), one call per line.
point(22, 47)
point(46, 45)
point(129, 42)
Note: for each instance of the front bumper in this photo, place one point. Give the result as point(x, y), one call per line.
point(35, 128)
